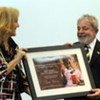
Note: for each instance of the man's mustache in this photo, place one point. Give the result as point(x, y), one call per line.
point(81, 34)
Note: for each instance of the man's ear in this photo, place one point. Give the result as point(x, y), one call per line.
point(96, 30)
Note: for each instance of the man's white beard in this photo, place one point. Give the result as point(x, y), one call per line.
point(85, 40)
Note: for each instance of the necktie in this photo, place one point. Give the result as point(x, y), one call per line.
point(87, 52)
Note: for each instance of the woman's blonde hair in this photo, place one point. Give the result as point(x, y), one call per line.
point(8, 16)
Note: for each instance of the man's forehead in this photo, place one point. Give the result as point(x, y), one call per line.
point(84, 23)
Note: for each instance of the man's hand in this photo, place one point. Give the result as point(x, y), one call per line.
point(94, 93)
point(68, 44)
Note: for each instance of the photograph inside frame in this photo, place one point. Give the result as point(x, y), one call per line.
point(58, 71)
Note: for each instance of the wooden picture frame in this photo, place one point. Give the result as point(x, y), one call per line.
point(47, 73)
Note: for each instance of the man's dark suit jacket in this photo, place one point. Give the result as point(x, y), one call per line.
point(95, 69)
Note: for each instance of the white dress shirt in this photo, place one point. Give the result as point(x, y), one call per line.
point(91, 47)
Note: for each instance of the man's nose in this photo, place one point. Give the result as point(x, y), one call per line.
point(81, 31)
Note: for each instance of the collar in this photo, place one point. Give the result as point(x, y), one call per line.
point(92, 44)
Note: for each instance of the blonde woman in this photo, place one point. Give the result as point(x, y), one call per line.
point(12, 79)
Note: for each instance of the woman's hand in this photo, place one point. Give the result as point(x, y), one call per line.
point(21, 53)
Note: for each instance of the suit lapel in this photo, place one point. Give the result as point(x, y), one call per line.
point(96, 53)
